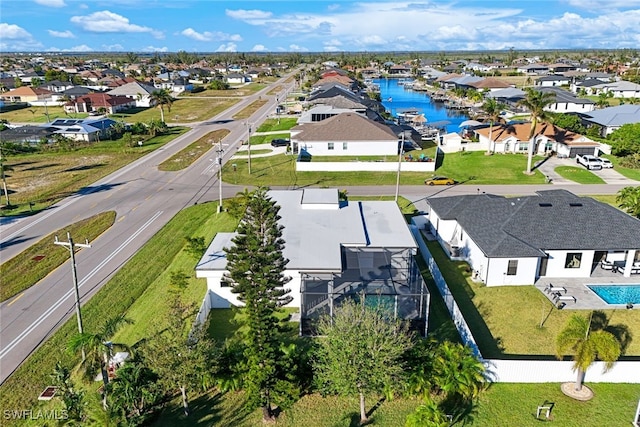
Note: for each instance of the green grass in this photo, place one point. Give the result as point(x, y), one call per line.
point(502, 327)
point(471, 168)
point(119, 295)
point(250, 109)
point(38, 115)
point(185, 157)
point(579, 175)
point(33, 264)
point(44, 178)
point(272, 125)
point(150, 311)
point(502, 405)
point(629, 173)
point(183, 110)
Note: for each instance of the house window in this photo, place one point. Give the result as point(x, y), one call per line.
point(344, 145)
point(512, 268)
point(573, 260)
point(330, 146)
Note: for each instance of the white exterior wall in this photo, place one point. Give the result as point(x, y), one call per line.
point(354, 148)
point(525, 273)
point(557, 262)
point(365, 166)
point(570, 107)
point(558, 371)
point(222, 297)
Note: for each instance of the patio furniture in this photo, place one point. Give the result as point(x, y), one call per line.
point(550, 289)
point(606, 265)
point(559, 297)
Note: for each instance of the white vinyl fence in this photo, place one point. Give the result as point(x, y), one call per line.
point(520, 371)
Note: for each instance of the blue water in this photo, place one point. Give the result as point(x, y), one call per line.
point(617, 294)
point(402, 99)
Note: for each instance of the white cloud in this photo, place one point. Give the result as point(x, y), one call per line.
point(13, 32)
point(209, 36)
point(15, 38)
point(116, 47)
point(297, 48)
point(61, 34)
point(155, 49)
point(109, 22)
point(80, 48)
point(259, 48)
point(245, 15)
point(228, 47)
point(51, 3)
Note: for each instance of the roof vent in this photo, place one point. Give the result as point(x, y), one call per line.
point(545, 205)
point(575, 204)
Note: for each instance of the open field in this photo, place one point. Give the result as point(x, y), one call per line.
point(34, 263)
point(505, 320)
point(44, 178)
point(38, 115)
point(185, 157)
point(579, 175)
point(183, 110)
point(248, 111)
point(234, 91)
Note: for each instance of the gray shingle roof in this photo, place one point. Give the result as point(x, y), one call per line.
point(345, 127)
point(615, 116)
point(551, 220)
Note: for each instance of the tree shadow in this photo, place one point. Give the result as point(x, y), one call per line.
point(40, 167)
point(84, 167)
point(98, 188)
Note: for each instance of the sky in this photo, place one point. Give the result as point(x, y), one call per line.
point(316, 25)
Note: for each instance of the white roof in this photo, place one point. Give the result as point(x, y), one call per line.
point(315, 229)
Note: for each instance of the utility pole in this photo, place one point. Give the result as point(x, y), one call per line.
point(249, 147)
point(400, 149)
point(4, 179)
point(72, 246)
point(220, 151)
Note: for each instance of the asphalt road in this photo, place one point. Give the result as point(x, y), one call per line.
point(144, 198)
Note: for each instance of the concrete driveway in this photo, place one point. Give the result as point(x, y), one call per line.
point(609, 176)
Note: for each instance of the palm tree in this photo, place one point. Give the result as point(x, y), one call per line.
point(492, 109)
point(628, 199)
point(457, 371)
point(162, 97)
point(98, 348)
point(535, 101)
point(588, 341)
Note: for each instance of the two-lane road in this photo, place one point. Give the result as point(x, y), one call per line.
point(144, 199)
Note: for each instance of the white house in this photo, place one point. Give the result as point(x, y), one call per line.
point(139, 92)
point(514, 138)
point(346, 134)
point(619, 89)
point(612, 118)
point(516, 241)
point(335, 249)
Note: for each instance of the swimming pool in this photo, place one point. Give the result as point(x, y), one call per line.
point(617, 294)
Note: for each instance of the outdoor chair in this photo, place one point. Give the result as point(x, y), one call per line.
point(606, 265)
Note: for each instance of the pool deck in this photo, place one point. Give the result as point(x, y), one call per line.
point(585, 298)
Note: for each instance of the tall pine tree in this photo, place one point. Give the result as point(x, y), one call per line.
point(255, 267)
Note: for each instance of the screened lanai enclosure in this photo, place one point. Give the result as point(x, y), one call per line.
point(383, 277)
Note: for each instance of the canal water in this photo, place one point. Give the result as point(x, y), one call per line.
point(396, 98)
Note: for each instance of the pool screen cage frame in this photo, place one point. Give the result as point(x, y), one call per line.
point(387, 276)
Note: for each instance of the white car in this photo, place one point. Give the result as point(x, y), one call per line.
point(606, 163)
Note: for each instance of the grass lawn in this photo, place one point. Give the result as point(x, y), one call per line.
point(37, 115)
point(249, 109)
point(185, 157)
point(629, 173)
point(183, 110)
point(471, 168)
point(579, 175)
point(41, 258)
point(234, 91)
point(44, 178)
point(501, 405)
point(120, 295)
point(272, 125)
point(504, 328)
